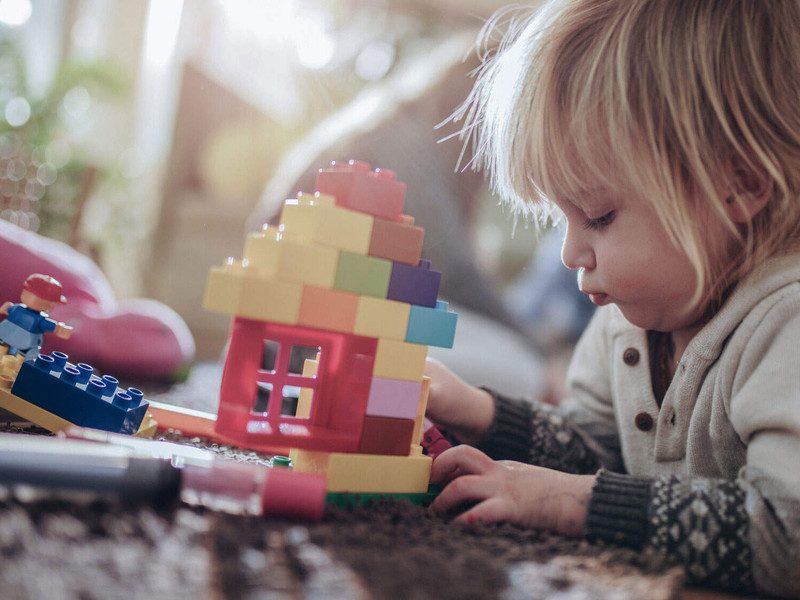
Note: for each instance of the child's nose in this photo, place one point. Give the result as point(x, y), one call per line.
point(576, 252)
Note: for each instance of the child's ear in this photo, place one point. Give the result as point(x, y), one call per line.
point(749, 194)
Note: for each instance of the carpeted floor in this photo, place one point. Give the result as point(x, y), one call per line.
point(81, 550)
point(59, 549)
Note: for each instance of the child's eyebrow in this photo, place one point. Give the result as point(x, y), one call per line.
point(592, 199)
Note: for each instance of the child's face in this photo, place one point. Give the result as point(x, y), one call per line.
point(624, 256)
point(34, 302)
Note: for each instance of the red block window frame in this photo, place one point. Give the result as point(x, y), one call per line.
point(340, 388)
point(280, 377)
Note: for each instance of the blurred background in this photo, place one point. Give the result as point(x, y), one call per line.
point(152, 135)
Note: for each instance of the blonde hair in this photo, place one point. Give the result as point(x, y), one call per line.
point(670, 97)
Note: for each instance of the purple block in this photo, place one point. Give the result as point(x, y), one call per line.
point(415, 285)
point(393, 398)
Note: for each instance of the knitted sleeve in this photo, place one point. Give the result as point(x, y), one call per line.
point(700, 523)
point(538, 435)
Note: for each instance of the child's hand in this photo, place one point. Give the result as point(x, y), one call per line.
point(512, 492)
point(454, 405)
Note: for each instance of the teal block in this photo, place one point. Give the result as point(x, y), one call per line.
point(432, 326)
point(365, 275)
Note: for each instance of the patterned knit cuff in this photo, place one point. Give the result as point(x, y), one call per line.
point(618, 509)
point(509, 436)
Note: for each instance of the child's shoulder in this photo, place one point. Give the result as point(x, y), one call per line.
point(763, 312)
point(771, 289)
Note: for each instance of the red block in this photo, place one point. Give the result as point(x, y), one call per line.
point(385, 435)
point(340, 388)
point(356, 187)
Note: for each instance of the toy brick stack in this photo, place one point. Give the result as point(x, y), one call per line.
point(47, 389)
point(341, 278)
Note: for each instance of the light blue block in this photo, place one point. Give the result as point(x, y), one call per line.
point(432, 326)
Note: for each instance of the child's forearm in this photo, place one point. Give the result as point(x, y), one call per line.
point(700, 523)
point(537, 435)
point(480, 417)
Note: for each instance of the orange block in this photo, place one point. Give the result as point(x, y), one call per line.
point(333, 310)
point(399, 242)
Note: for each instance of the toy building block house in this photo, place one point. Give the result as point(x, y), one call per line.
point(340, 280)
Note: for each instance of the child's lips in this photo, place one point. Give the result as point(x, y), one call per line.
point(598, 298)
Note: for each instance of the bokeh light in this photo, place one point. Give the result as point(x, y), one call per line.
point(46, 174)
point(85, 32)
point(77, 102)
point(15, 12)
point(58, 153)
point(375, 60)
point(17, 112)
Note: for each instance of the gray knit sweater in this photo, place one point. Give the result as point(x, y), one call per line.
point(712, 476)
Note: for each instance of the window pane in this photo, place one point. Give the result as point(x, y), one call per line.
point(271, 349)
point(299, 356)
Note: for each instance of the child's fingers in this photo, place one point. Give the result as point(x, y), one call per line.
point(460, 460)
point(466, 489)
point(493, 510)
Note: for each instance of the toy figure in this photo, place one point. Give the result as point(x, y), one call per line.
point(27, 322)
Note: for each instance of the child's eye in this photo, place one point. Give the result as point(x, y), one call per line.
point(600, 222)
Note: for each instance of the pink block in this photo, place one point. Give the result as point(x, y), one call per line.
point(356, 187)
point(393, 398)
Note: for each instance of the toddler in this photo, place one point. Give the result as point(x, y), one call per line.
point(665, 135)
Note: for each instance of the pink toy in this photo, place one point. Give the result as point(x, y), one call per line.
point(135, 338)
point(433, 442)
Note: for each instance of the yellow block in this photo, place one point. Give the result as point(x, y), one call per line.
point(290, 258)
point(148, 427)
point(400, 360)
point(305, 263)
point(270, 300)
point(223, 289)
point(263, 250)
point(331, 226)
point(416, 437)
point(367, 473)
point(31, 412)
point(380, 318)
point(306, 394)
point(315, 198)
point(245, 292)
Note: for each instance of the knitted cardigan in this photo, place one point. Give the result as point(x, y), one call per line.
point(712, 476)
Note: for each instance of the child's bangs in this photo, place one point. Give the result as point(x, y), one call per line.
point(583, 159)
point(578, 144)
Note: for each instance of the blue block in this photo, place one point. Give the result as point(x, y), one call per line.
point(414, 284)
point(432, 326)
point(73, 393)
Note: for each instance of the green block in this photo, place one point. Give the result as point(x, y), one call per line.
point(365, 275)
point(350, 500)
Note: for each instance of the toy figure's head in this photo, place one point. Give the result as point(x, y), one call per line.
point(41, 292)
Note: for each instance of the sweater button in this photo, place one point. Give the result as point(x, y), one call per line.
point(644, 422)
point(630, 356)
